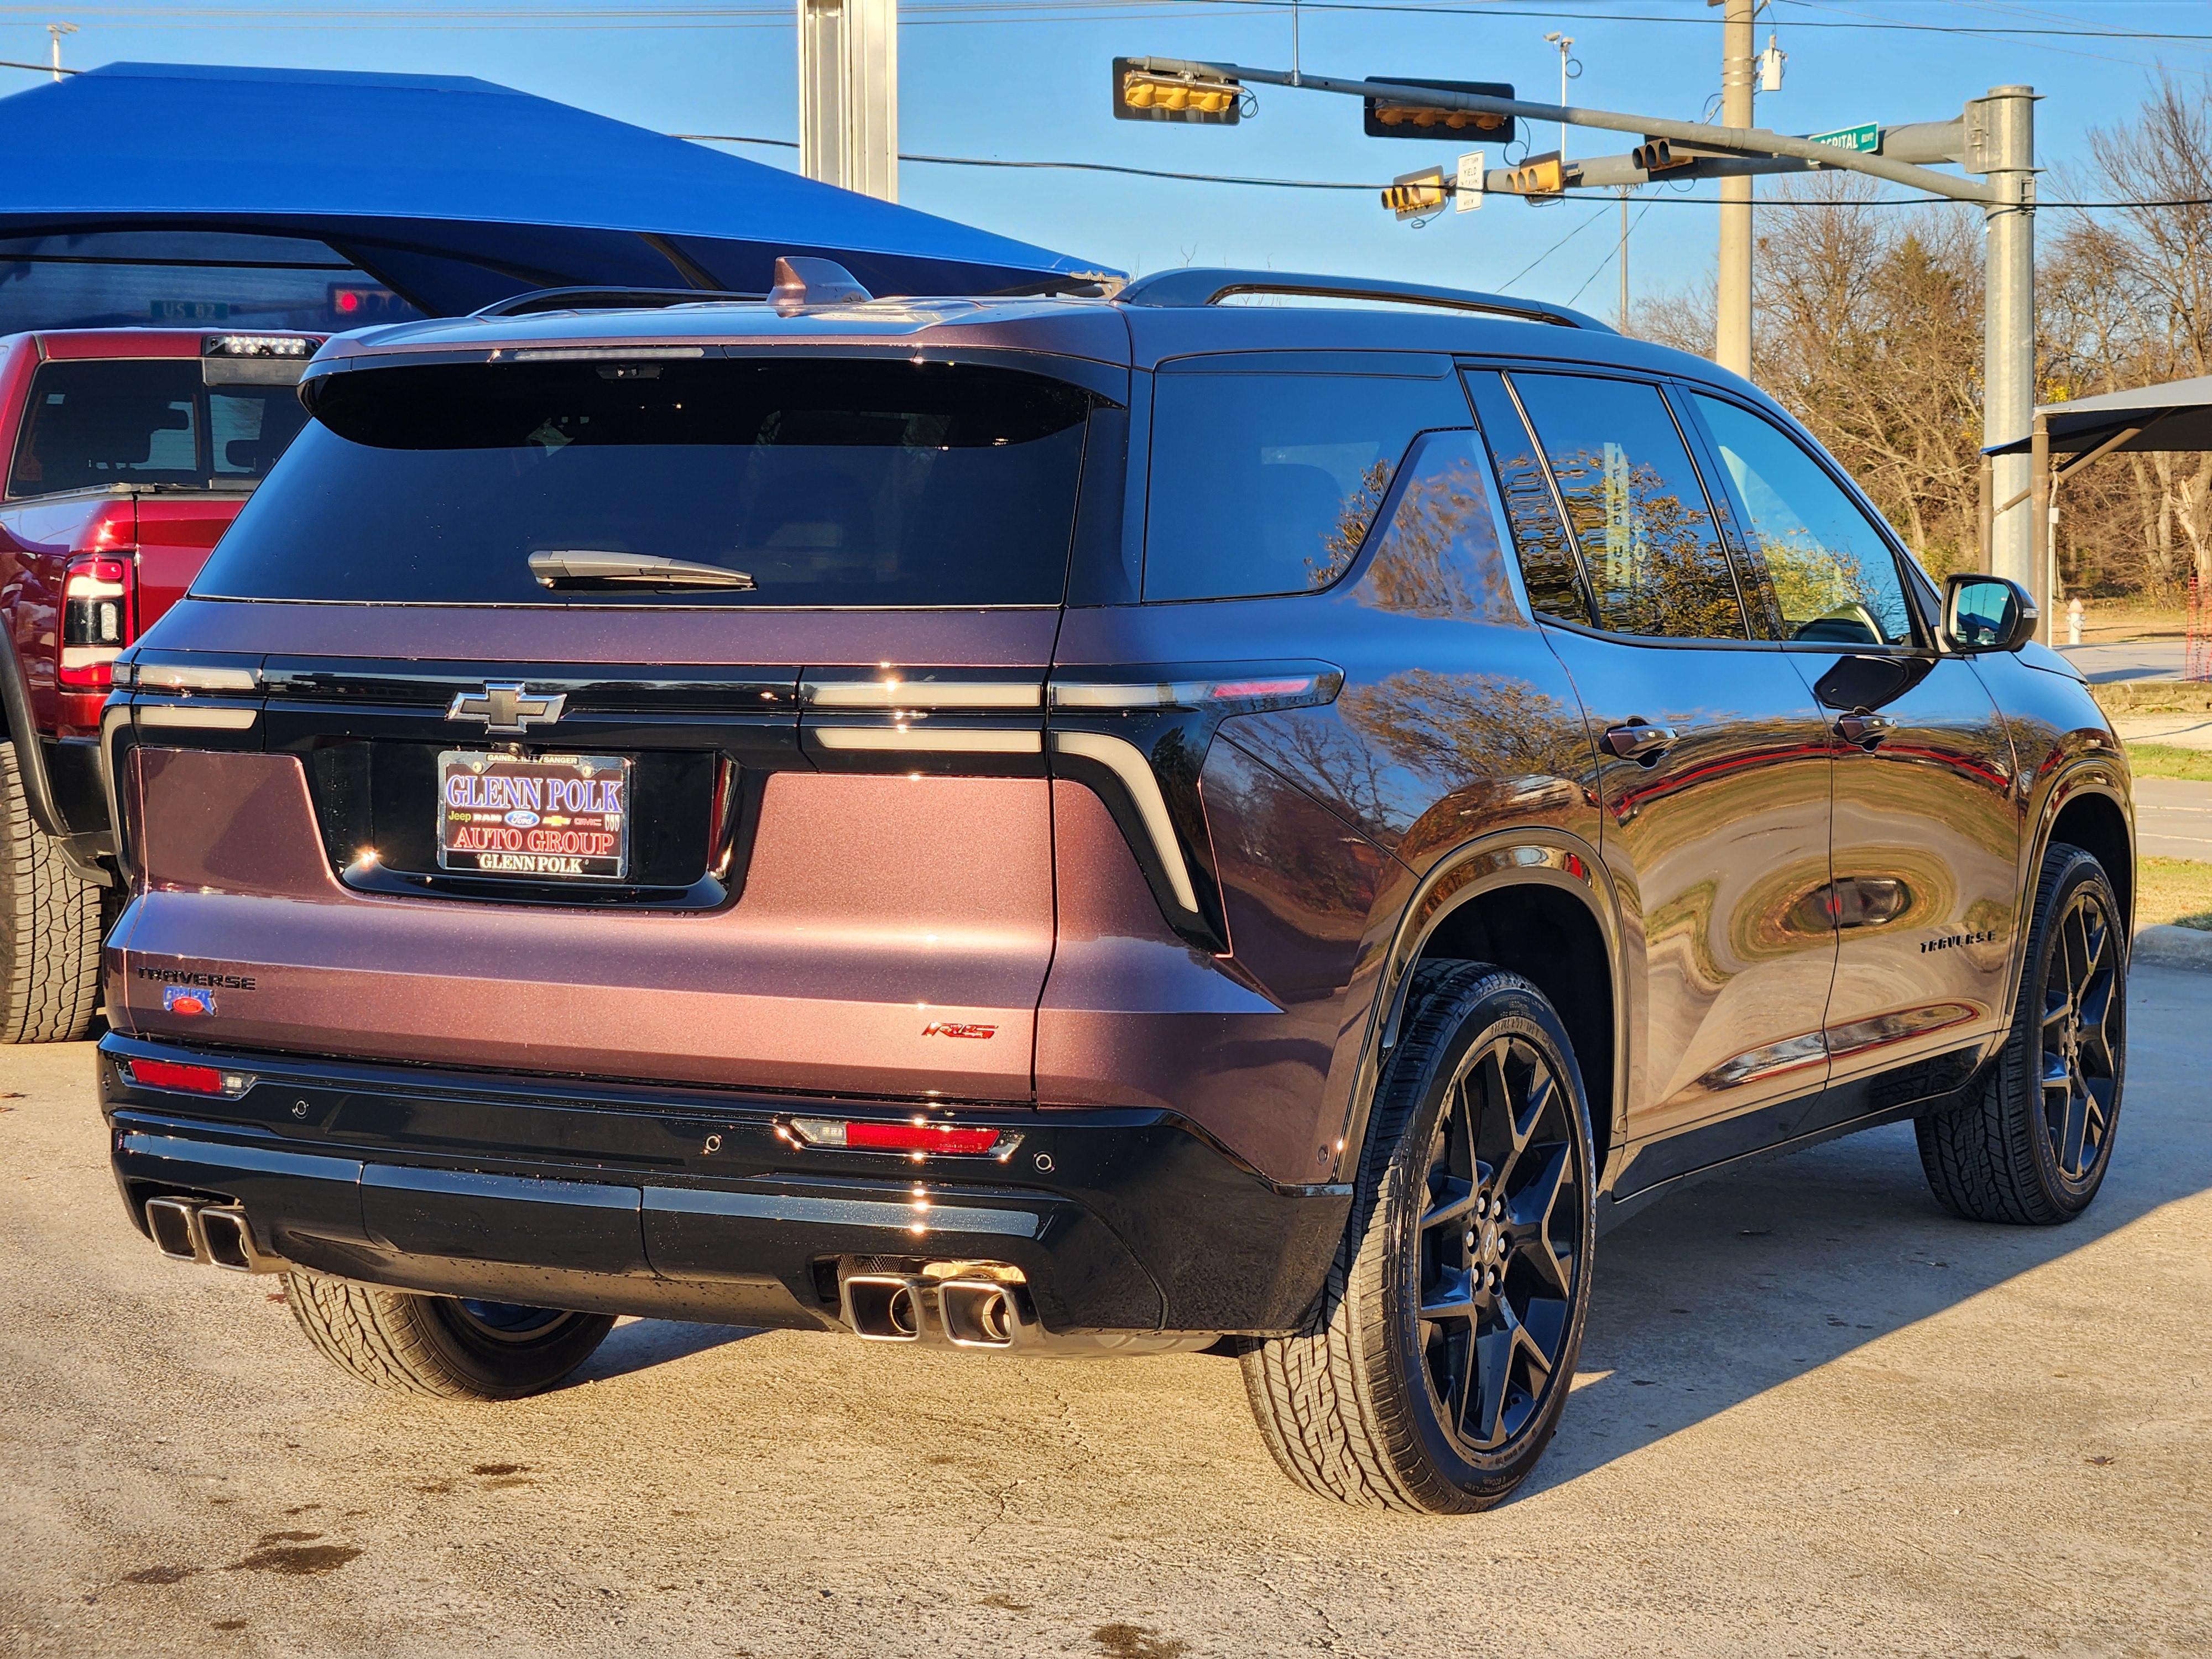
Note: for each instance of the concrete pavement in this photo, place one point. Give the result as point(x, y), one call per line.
point(1814, 1417)
point(2173, 819)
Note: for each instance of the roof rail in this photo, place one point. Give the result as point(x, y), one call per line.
point(1210, 287)
point(604, 299)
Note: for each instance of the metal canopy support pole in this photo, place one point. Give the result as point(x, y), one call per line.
point(1987, 517)
point(2039, 522)
point(848, 95)
point(1732, 333)
point(2004, 125)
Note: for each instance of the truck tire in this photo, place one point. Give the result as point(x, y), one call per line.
point(441, 1347)
point(49, 928)
point(2031, 1140)
point(1473, 1204)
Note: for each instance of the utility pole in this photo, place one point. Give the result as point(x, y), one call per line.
point(848, 95)
point(58, 30)
point(1624, 259)
point(2000, 143)
point(1732, 330)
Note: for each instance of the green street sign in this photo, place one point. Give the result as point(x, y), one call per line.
point(1864, 139)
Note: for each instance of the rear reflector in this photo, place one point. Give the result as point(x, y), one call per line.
point(193, 1079)
point(917, 1137)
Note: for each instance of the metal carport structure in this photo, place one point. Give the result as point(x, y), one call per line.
point(2065, 437)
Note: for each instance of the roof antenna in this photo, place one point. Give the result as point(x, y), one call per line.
point(801, 281)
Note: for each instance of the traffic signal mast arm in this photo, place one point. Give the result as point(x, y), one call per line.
point(1738, 150)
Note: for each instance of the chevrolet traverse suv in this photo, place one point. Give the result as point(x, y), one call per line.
point(1091, 824)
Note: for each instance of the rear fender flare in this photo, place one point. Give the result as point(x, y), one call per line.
point(1505, 858)
point(23, 732)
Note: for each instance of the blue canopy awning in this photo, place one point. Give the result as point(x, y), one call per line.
point(449, 190)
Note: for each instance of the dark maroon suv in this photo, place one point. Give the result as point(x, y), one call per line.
point(1078, 824)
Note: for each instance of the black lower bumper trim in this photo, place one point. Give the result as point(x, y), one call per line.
point(688, 1204)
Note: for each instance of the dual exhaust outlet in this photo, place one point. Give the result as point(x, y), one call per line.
point(212, 1235)
point(983, 1307)
point(967, 1312)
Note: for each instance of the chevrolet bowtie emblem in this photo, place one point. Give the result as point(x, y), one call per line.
point(505, 706)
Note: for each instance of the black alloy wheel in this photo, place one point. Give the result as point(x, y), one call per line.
point(2083, 1020)
point(1433, 1372)
point(1498, 1244)
point(2029, 1138)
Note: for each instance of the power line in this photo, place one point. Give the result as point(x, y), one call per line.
point(1329, 184)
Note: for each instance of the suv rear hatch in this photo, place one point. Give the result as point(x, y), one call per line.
point(659, 715)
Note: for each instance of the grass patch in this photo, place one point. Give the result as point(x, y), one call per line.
point(2166, 760)
point(2118, 697)
point(2178, 890)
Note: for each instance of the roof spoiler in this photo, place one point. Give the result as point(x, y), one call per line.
point(605, 299)
point(1210, 287)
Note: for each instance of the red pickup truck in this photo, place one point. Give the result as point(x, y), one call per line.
point(129, 451)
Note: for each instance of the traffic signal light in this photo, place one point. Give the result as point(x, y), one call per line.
point(1658, 155)
point(1416, 195)
point(1543, 177)
point(1141, 95)
point(1397, 118)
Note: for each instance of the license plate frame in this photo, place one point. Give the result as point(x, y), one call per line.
point(559, 819)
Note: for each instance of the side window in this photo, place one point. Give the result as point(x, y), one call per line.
point(1267, 482)
point(1548, 574)
point(1656, 562)
point(1440, 555)
point(1835, 577)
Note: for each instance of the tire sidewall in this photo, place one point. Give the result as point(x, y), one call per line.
point(1499, 1005)
point(2076, 869)
point(506, 1369)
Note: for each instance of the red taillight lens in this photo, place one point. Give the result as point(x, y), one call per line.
point(917, 1137)
point(171, 1074)
point(98, 618)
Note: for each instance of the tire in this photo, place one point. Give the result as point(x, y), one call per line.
point(49, 928)
point(2032, 1139)
point(440, 1346)
point(1372, 1405)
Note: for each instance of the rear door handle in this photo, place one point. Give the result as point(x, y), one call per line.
point(1866, 729)
point(1640, 743)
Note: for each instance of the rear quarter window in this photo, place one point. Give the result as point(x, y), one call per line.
point(1268, 469)
point(846, 482)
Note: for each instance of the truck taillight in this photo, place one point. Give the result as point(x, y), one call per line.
point(98, 618)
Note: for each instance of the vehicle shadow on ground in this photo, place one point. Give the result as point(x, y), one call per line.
point(639, 1345)
point(1741, 1284)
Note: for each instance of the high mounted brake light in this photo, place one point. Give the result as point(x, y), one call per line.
point(256, 345)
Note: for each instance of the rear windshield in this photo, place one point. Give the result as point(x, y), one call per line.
point(838, 482)
point(96, 421)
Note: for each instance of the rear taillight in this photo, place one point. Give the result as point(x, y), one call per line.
point(98, 618)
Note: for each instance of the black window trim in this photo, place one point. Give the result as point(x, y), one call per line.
point(1924, 633)
point(1605, 372)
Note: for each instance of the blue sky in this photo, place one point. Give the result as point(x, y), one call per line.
point(1028, 80)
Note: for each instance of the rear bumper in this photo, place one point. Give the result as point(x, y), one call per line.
point(686, 1204)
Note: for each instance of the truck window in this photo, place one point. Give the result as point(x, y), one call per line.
point(1265, 479)
point(90, 422)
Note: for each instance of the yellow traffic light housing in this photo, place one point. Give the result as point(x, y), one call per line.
point(1417, 195)
point(1402, 118)
point(1142, 96)
point(1542, 177)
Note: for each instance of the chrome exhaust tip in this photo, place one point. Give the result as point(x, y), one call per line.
point(883, 1307)
point(226, 1242)
point(978, 1313)
point(174, 1224)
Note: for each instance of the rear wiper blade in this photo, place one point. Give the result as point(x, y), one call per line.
point(592, 568)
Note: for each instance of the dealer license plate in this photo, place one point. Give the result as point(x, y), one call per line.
point(538, 817)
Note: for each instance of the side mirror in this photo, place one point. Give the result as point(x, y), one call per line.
point(1987, 613)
